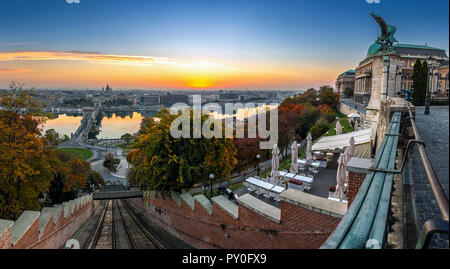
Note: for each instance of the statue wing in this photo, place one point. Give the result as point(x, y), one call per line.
point(383, 25)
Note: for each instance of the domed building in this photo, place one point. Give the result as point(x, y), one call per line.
point(397, 62)
point(408, 55)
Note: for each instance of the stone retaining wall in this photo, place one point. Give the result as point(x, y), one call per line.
point(48, 229)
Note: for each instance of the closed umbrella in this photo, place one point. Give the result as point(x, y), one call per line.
point(356, 125)
point(294, 154)
point(308, 147)
point(350, 150)
point(340, 178)
point(275, 175)
point(348, 154)
point(338, 128)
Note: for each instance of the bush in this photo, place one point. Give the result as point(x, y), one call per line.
point(319, 129)
point(111, 162)
point(348, 92)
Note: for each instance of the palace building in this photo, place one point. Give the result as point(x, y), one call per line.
point(344, 81)
point(361, 78)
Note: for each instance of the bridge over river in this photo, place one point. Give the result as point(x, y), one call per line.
point(88, 122)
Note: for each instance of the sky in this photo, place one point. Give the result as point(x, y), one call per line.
point(201, 44)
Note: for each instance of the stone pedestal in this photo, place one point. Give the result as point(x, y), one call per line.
point(385, 76)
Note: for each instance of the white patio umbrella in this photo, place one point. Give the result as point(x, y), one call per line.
point(308, 147)
point(350, 150)
point(294, 154)
point(338, 128)
point(340, 178)
point(353, 115)
point(274, 174)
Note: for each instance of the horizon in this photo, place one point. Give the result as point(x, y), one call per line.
point(205, 45)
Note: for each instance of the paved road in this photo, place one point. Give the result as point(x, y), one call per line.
point(349, 101)
point(434, 131)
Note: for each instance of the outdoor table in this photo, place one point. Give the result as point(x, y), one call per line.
point(303, 178)
point(259, 183)
point(277, 189)
point(313, 164)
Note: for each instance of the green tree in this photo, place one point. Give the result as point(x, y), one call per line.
point(127, 137)
point(348, 92)
point(52, 138)
point(165, 163)
point(328, 97)
point(420, 80)
point(319, 129)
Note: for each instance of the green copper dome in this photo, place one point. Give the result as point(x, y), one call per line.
point(373, 49)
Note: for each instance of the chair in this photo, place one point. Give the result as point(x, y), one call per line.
point(267, 195)
point(251, 188)
point(277, 199)
point(259, 192)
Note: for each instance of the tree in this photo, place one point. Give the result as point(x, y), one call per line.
point(319, 129)
point(165, 163)
point(328, 97)
point(246, 151)
point(24, 167)
point(348, 92)
point(52, 138)
point(110, 162)
point(288, 124)
point(420, 80)
point(127, 137)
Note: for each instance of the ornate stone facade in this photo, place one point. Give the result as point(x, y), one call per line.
point(344, 81)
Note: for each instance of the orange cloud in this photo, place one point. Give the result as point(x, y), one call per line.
point(95, 57)
point(13, 70)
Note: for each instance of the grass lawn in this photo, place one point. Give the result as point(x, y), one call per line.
point(78, 152)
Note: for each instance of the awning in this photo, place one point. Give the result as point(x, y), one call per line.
point(354, 115)
point(363, 142)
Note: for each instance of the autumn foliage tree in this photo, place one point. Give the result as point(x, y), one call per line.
point(24, 167)
point(29, 163)
point(162, 162)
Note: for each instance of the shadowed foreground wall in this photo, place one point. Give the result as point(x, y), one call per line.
point(48, 229)
point(207, 224)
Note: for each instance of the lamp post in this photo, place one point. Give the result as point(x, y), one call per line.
point(211, 178)
point(427, 96)
point(257, 168)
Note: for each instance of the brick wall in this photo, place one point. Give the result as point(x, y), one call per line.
point(355, 181)
point(55, 233)
point(298, 227)
point(5, 239)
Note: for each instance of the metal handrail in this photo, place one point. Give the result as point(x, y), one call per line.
point(436, 188)
point(431, 226)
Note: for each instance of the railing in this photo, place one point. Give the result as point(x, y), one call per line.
point(107, 195)
point(366, 223)
point(431, 226)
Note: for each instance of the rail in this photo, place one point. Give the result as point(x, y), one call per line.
point(431, 226)
point(108, 195)
point(367, 220)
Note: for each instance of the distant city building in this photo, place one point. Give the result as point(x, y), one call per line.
point(150, 99)
point(170, 99)
point(107, 90)
point(228, 96)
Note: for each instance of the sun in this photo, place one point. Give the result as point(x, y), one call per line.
point(199, 83)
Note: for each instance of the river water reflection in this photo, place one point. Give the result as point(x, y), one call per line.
point(113, 125)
